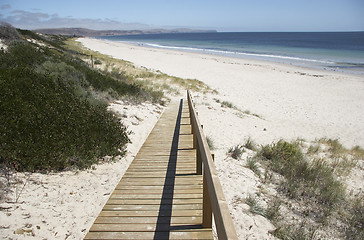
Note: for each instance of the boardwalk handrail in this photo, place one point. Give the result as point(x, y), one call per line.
point(214, 198)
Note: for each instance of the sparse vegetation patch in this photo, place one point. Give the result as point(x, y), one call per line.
point(235, 152)
point(309, 199)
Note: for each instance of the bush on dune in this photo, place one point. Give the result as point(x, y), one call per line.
point(301, 175)
point(49, 121)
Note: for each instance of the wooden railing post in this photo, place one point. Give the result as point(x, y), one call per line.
point(195, 143)
point(198, 159)
point(92, 61)
point(207, 209)
point(213, 196)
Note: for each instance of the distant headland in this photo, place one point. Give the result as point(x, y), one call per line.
point(84, 32)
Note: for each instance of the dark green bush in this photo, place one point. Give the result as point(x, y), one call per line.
point(45, 125)
point(22, 55)
point(97, 62)
point(8, 33)
point(355, 218)
point(235, 152)
point(285, 158)
point(48, 119)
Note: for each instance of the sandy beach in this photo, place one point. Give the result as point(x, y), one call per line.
point(290, 102)
point(294, 102)
point(272, 101)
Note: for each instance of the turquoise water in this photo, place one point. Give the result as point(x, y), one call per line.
point(335, 51)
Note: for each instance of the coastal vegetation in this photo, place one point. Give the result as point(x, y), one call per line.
point(239, 113)
point(55, 96)
point(236, 151)
point(54, 106)
point(311, 200)
point(147, 78)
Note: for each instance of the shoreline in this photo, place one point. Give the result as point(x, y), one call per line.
point(253, 60)
point(295, 102)
point(339, 66)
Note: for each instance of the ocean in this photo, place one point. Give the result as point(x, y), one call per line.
point(335, 51)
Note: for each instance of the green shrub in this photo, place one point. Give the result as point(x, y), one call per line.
point(254, 205)
point(253, 165)
point(210, 142)
point(97, 62)
point(286, 159)
point(297, 232)
point(357, 152)
point(49, 121)
point(46, 126)
point(314, 180)
point(235, 152)
point(21, 55)
point(273, 208)
point(313, 149)
point(227, 104)
point(355, 219)
point(250, 144)
point(8, 33)
point(336, 148)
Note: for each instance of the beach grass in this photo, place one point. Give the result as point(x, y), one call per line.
point(250, 144)
point(148, 78)
point(255, 206)
point(210, 142)
point(312, 186)
point(240, 113)
point(252, 163)
point(235, 152)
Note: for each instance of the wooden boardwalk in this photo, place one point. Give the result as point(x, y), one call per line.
point(160, 196)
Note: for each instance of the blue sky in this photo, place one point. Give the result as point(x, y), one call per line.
point(223, 15)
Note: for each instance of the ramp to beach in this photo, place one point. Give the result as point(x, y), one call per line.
point(163, 194)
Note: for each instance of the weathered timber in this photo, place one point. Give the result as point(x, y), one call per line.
point(160, 196)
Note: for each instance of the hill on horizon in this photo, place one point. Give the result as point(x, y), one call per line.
point(85, 32)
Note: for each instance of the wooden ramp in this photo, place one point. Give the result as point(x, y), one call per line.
point(160, 196)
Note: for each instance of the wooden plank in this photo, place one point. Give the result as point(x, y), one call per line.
point(162, 168)
point(154, 213)
point(163, 180)
point(181, 155)
point(155, 196)
point(159, 191)
point(142, 174)
point(152, 207)
point(150, 220)
point(152, 188)
point(175, 180)
point(141, 202)
point(150, 154)
point(150, 235)
point(145, 228)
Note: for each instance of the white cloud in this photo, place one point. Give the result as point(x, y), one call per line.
point(37, 20)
